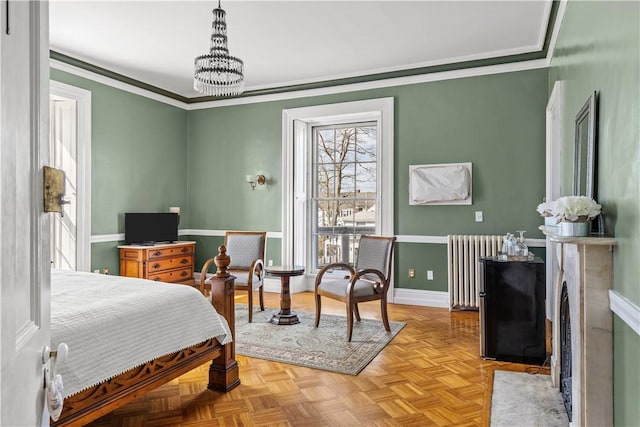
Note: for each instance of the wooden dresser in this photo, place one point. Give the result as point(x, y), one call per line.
point(170, 262)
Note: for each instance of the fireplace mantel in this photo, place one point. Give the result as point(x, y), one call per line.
point(586, 266)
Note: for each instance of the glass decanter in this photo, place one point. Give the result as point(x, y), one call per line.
point(521, 248)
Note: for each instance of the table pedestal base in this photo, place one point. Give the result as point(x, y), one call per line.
point(281, 318)
point(285, 316)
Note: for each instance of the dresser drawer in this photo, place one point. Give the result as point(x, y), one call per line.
point(167, 252)
point(178, 275)
point(159, 265)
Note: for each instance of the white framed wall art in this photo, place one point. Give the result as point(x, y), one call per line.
point(440, 184)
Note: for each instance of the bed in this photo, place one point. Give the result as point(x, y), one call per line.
point(127, 336)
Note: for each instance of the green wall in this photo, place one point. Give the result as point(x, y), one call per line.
point(598, 50)
point(138, 160)
point(496, 121)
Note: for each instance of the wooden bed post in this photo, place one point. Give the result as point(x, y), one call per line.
point(223, 372)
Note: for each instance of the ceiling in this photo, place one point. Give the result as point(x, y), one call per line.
point(293, 42)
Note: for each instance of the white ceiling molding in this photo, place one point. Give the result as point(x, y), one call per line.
point(542, 32)
point(108, 81)
point(377, 84)
point(556, 30)
point(354, 87)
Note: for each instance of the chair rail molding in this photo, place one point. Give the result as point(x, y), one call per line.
point(625, 309)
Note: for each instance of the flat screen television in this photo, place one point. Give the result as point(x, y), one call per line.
point(150, 228)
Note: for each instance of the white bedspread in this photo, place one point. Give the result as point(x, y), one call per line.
point(114, 323)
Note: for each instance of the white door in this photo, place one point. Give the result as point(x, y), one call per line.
point(64, 156)
point(24, 228)
point(553, 182)
point(70, 124)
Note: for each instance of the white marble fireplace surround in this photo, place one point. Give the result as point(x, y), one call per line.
point(585, 264)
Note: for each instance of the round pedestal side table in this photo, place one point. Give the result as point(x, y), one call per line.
point(285, 316)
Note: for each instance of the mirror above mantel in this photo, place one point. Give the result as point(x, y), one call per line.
point(584, 163)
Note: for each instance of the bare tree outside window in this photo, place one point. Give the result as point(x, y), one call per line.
point(345, 186)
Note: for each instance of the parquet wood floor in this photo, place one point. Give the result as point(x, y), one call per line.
point(431, 374)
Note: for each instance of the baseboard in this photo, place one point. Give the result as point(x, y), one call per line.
point(401, 296)
point(421, 297)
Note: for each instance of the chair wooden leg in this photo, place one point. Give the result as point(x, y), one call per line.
point(385, 318)
point(250, 302)
point(317, 310)
point(356, 312)
point(261, 293)
point(349, 321)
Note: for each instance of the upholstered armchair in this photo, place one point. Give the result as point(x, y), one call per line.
point(367, 281)
point(246, 250)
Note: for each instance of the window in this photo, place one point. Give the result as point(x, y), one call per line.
point(344, 172)
point(337, 173)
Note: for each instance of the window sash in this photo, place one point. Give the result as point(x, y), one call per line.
point(334, 239)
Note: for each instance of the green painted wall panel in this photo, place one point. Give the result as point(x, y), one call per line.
point(105, 255)
point(497, 122)
point(225, 145)
point(138, 154)
point(207, 247)
point(627, 375)
point(422, 257)
point(598, 49)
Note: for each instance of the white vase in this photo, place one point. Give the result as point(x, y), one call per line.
point(575, 229)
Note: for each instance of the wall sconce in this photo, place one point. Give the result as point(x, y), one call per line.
point(254, 180)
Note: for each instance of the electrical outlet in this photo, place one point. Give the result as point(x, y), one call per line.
point(412, 273)
point(479, 216)
point(429, 274)
point(270, 263)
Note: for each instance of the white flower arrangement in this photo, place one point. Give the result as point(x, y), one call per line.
point(571, 208)
point(545, 209)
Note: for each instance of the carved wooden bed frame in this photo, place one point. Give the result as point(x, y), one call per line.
point(103, 398)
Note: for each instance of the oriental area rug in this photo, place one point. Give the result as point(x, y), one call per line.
point(325, 347)
point(522, 399)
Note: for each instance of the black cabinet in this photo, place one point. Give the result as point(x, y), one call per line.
point(512, 295)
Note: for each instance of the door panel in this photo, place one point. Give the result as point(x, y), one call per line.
point(553, 181)
point(24, 263)
point(74, 157)
point(64, 156)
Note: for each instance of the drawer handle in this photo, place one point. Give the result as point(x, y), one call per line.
point(156, 265)
point(157, 253)
point(185, 250)
point(184, 261)
point(156, 279)
point(184, 273)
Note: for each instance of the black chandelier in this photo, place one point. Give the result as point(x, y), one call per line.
point(217, 73)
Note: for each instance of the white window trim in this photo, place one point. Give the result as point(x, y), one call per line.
point(83, 124)
point(293, 234)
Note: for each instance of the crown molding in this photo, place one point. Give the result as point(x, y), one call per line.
point(130, 87)
point(557, 19)
point(303, 93)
